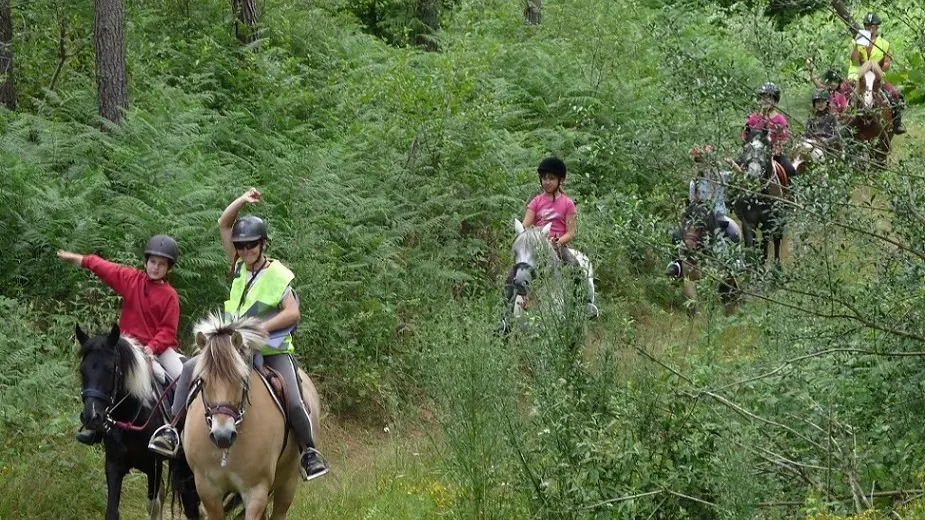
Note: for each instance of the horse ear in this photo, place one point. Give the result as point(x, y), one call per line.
point(546, 229)
point(237, 340)
point(114, 334)
point(82, 337)
point(518, 226)
point(200, 340)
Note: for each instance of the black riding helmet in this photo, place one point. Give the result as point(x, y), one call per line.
point(553, 165)
point(871, 19)
point(821, 94)
point(770, 89)
point(832, 76)
point(163, 245)
point(248, 229)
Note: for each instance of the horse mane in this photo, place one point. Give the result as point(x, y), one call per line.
point(135, 365)
point(532, 239)
point(219, 358)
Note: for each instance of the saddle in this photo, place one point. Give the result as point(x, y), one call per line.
point(275, 383)
point(781, 174)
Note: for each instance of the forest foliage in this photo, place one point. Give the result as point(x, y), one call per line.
point(390, 176)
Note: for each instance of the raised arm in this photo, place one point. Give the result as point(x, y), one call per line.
point(226, 221)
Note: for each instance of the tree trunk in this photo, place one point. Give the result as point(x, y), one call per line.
point(845, 15)
point(429, 16)
point(7, 90)
point(245, 20)
point(533, 11)
point(109, 40)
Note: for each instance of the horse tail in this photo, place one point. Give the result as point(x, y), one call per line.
point(182, 487)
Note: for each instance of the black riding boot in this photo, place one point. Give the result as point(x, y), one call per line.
point(898, 127)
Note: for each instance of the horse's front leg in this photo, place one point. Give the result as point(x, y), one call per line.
point(255, 502)
point(155, 498)
point(115, 473)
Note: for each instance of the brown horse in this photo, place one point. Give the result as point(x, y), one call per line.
point(699, 225)
point(873, 119)
point(256, 457)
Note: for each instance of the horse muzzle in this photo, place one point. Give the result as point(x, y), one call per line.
point(223, 435)
point(92, 416)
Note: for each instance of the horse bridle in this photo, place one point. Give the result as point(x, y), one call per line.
point(117, 378)
point(236, 414)
point(518, 267)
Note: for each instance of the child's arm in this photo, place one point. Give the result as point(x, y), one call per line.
point(571, 225)
point(116, 276)
point(529, 218)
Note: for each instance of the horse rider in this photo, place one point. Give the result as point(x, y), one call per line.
point(838, 88)
point(552, 207)
point(707, 187)
point(769, 119)
point(822, 127)
point(262, 288)
point(150, 305)
point(874, 54)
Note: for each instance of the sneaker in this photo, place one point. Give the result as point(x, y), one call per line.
point(312, 465)
point(898, 127)
point(89, 437)
point(674, 269)
point(165, 441)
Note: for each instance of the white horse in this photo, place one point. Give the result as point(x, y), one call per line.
point(535, 256)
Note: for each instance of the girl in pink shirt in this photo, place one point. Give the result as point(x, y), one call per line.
point(769, 119)
point(553, 207)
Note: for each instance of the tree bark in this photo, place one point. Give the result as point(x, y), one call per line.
point(533, 11)
point(429, 17)
point(7, 90)
point(245, 20)
point(109, 40)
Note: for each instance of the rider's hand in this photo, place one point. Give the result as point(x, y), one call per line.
point(809, 64)
point(251, 196)
point(73, 258)
point(148, 351)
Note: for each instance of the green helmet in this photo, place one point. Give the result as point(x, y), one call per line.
point(871, 19)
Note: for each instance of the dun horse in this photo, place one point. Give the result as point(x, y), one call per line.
point(236, 437)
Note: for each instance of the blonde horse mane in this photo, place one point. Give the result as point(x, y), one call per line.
point(227, 348)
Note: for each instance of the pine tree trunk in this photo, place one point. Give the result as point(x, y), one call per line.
point(245, 20)
point(429, 17)
point(533, 11)
point(7, 90)
point(109, 40)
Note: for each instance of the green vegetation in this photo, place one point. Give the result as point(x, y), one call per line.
point(390, 177)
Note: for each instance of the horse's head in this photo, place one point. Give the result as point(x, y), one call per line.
point(756, 154)
point(224, 368)
point(112, 370)
point(867, 85)
point(697, 222)
point(532, 252)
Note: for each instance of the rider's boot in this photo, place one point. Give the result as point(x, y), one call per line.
point(165, 441)
point(898, 106)
point(311, 464)
point(89, 437)
point(674, 269)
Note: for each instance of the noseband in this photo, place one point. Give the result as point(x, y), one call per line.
point(117, 381)
point(236, 414)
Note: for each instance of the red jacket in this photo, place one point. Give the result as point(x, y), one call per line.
point(150, 310)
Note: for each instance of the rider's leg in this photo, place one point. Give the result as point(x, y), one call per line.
point(170, 360)
point(733, 233)
point(897, 103)
point(299, 416)
point(166, 440)
point(788, 166)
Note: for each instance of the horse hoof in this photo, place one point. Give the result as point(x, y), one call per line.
point(593, 311)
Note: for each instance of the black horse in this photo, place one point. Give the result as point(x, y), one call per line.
point(759, 194)
point(120, 400)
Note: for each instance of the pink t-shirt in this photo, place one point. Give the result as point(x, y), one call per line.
point(776, 124)
point(549, 211)
point(838, 103)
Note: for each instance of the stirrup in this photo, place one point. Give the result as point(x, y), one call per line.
point(314, 457)
point(165, 441)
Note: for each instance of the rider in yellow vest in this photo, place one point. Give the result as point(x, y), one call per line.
point(262, 288)
point(874, 54)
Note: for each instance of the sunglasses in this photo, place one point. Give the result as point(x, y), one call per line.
point(245, 246)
